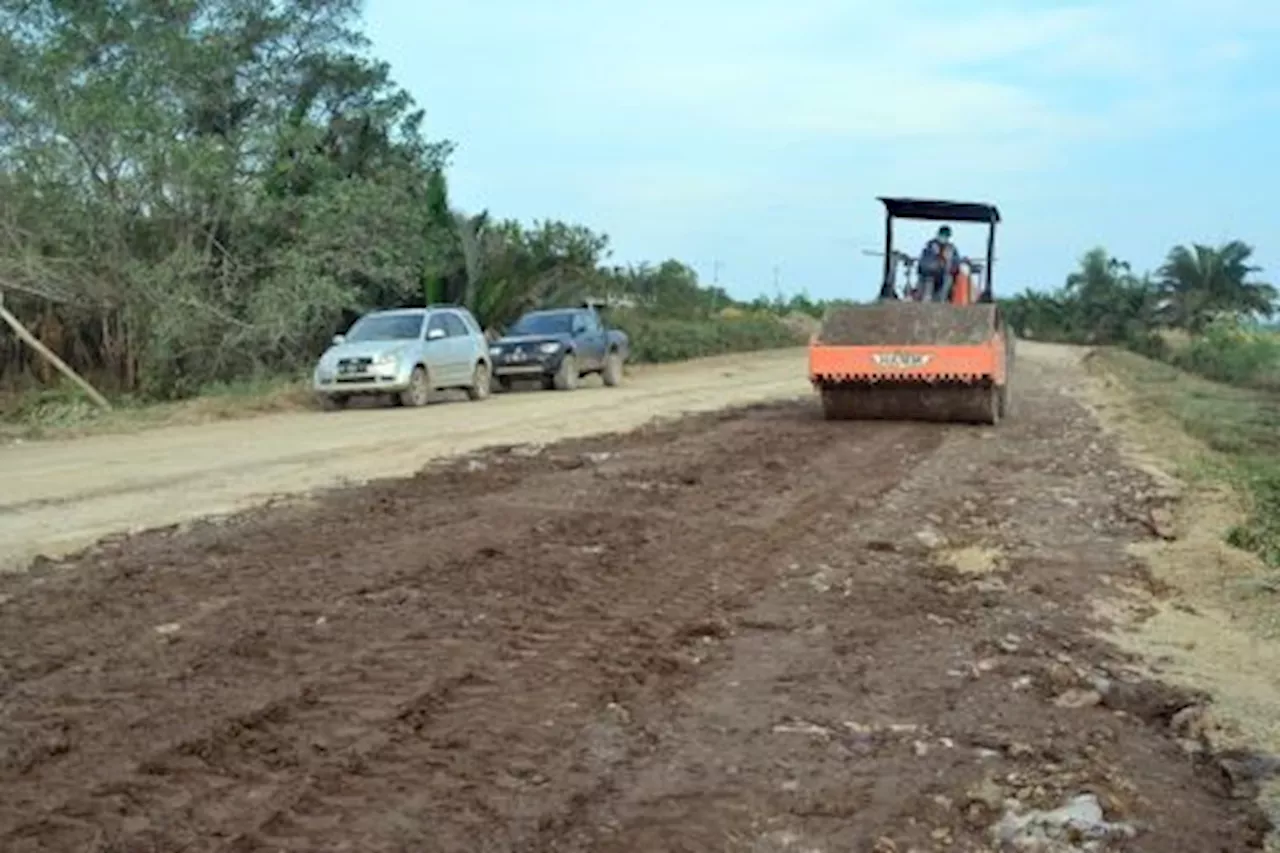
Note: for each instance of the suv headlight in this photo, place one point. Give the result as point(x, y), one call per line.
point(549, 347)
point(495, 350)
point(387, 359)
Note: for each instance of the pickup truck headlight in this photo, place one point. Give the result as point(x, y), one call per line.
point(495, 350)
point(549, 347)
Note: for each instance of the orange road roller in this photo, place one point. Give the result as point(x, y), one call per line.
point(940, 351)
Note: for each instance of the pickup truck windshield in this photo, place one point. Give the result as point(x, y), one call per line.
point(543, 324)
point(386, 327)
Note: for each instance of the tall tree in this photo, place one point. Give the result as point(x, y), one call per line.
point(217, 180)
point(438, 238)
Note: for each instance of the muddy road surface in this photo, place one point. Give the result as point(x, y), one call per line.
point(59, 496)
point(743, 631)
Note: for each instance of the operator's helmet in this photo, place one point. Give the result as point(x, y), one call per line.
point(944, 234)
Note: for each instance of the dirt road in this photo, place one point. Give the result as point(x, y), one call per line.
point(743, 631)
point(57, 497)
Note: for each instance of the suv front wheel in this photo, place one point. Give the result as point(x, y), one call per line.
point(419, 391)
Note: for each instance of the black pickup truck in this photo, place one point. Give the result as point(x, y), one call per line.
point(558, 346)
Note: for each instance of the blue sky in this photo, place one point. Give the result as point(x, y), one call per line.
point(757, 133)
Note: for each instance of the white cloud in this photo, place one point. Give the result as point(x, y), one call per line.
point(801, 69)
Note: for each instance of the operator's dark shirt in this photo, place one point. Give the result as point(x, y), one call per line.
point(931, 262)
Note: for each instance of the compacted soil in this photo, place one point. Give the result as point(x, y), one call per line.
point(751, 630)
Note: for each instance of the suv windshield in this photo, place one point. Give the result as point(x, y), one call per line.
point(386, 327)
point(543, 324)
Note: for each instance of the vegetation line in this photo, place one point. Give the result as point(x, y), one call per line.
point(198, 195)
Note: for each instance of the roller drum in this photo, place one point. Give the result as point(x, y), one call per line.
point(959, 403)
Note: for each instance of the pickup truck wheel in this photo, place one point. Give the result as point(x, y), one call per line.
point(481, 383)
point(504, 383)
point(419, 391)
point(612, 374)
point(566, 378)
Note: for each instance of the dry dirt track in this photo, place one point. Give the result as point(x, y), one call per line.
point(58, 497)
point(749, 630)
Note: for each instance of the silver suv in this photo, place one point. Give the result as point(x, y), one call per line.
point(407, 353)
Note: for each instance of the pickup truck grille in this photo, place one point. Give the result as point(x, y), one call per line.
point(519, 354)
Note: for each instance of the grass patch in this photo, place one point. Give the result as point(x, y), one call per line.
point(1242, 425)
point(63, 411)
point(1228, 351)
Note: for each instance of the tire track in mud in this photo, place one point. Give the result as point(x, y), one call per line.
point(259, 769)
point(588, 752)
point(438, 737)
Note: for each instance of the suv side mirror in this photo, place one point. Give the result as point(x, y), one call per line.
point(338, 339)
point(435, 334)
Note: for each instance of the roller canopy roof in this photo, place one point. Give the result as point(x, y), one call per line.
point(957, 211)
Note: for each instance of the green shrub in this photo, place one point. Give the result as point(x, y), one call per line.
point(61, 405)
point(663, 339)
point(1230, 353)
point(1149, 344)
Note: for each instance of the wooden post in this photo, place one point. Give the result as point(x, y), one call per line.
point(52, 357)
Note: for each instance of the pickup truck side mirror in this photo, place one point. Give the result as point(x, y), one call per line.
point(338, 339)
point(435, 334)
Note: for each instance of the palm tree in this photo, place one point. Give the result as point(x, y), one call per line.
point(1099, 274)
point(499, 269)
point(503, 269)
point(1033, 314)
point(1110, 303)
point(1200, 282)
